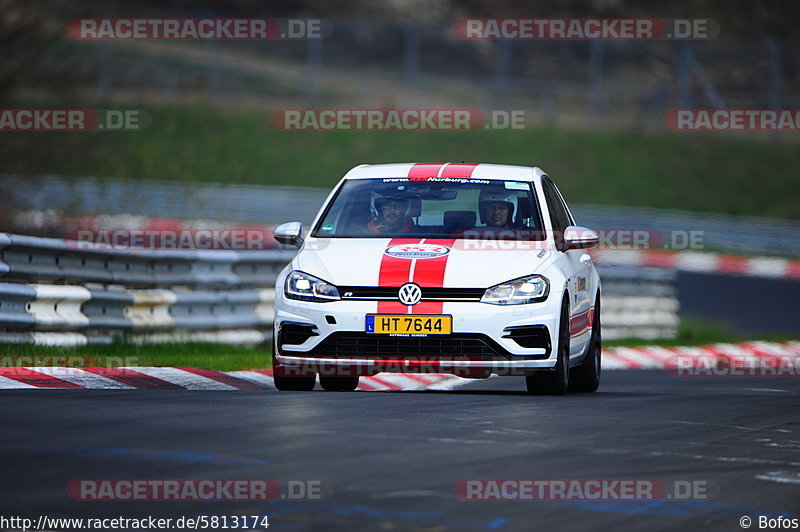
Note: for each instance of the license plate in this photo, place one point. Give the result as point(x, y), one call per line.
point(409, 324)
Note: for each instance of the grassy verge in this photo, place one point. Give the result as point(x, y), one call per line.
point(697, 172)
point(693, 331)
point(189, 355)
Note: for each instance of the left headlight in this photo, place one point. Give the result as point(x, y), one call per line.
point(530, 289)
point(306, 287)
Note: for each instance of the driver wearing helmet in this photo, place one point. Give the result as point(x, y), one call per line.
point(390, 215)
point(496, 209)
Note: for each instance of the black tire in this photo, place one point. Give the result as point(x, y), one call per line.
point(586, 377)
point(284, 383)
point(338, 384)
point(554, 382)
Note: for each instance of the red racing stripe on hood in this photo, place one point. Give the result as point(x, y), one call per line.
point(394, 272)
point(430, 273)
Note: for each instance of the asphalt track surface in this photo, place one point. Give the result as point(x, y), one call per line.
point(389, 460)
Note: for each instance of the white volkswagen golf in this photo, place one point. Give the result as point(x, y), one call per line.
point(467, 269)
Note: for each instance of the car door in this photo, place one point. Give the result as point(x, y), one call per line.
point(576, 264)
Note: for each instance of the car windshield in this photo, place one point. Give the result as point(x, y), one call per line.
point(404, 207)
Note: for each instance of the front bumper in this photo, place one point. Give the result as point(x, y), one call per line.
point(487, 339)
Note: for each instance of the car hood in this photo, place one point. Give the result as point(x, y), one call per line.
point(428, 262)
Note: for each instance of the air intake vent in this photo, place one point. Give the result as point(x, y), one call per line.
point(529, 336)
point(291, 333)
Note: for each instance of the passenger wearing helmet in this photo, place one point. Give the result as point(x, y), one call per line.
point(497, 209)
point(390, 215)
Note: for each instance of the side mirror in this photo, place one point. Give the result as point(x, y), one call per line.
point(576, 237)
point(289, 233)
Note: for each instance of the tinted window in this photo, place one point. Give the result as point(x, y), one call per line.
point(558, 214)
point(570, 219)
point(432, 208)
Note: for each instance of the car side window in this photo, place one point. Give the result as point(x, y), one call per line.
point(559, 218)
point(569, 218)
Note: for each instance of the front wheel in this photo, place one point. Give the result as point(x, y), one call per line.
point(285, 383)
point(554, 382)
point(586, 377)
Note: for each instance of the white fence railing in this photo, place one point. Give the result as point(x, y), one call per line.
point(638, 302)
point(56, 293)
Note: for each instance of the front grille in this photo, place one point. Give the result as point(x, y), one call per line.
point(459, 346)
point(428, 294)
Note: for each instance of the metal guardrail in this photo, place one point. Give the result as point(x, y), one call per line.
point(638, 303)
point(58, 293)
point(40, 259)
point(55, 293)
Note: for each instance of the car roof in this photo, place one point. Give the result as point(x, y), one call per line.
point(480, 171)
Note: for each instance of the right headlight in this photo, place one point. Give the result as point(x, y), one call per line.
point(530, 289)
point(305, 287)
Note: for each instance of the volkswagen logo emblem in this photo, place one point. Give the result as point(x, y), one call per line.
point(410, 294)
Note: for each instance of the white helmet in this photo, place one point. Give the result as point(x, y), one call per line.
point(496, 196)
point(377, 200)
